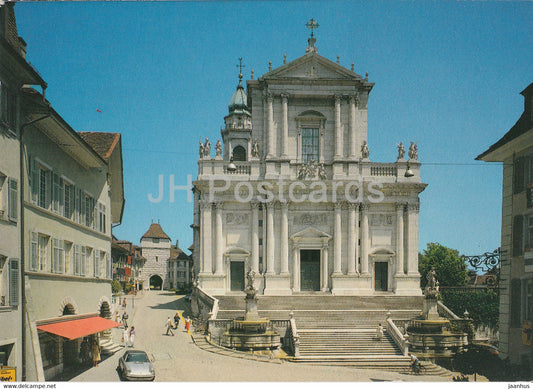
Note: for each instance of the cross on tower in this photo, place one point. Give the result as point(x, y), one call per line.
point(240, 66)
point(312, 24)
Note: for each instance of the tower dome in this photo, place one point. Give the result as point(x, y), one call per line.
point(237, 104)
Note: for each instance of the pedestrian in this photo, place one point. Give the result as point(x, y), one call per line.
point(125, 318)
point(124, 303)
point(414, 363)
point(116, 316)
point(85, 352)
point(187, 324)
point(176, 320)
point(169, 327)
point(379, 333)
point(125, 336)
point(96, 352)
point(132, 336)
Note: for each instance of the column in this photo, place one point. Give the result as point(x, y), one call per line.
point(399, 238)
point(412, 239)
point(284, 239)
point(284, 126)
point(295, 267)
point(353, 218)
point(219, 247)
point(270, 121)
point(270, 239)
point(338, 135)
point(337, 240)
point(206, 238)
point(299, 144)
point(254, 265)
point(364, 238)
point(352, 128)
point(324, 264)
point(321, 144)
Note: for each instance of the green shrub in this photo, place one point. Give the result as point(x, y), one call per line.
point(483, 305)
point(115, 287)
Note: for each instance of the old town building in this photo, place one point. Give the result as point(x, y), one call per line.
point(515, 150)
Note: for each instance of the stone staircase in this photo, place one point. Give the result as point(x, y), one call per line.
point(339, 330)
point(109, 347)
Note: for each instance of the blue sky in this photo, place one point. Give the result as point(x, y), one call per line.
point(447, 75)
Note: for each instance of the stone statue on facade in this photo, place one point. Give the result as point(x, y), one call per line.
point(255, 149)
point(365, 152)
point(322, 172)
point(413, 151)
point(201, 149)
point(401, 151)
point(207, 148)
point(218, 149)
point(308, 170)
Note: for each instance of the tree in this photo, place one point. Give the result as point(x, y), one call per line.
point(115, 286)
point(450, 267)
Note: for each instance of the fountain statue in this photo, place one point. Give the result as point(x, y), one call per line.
point(430, 335)
point(251, 332)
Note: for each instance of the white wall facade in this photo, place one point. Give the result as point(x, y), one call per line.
point(333, 207)
point(157, 254)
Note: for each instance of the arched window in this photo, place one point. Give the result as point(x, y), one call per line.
point(239, 153)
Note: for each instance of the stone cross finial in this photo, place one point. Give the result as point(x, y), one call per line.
point(240, 66)
point(269, 66)
point(284, 58)
point(352, 67)
point(252, 74)
point(312, 24)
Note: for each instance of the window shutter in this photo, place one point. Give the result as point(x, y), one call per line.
point(516, 294)
point(34, 251)
point(13, 199)
point(518, 232)
point(519, 178)
point(34, 181)
point(14, 282)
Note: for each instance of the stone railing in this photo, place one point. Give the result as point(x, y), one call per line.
point(292, 337)
point(446, 312)
point(383, 170)
point(401, 340)
point(203, 305)
point(241, 169)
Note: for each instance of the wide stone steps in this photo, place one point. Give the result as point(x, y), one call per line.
point(319, 343)
point(323, 302)
point(108, 347)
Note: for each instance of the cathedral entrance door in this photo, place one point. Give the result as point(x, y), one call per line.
point(381, 273)
point(310, 270)
point(237, 275)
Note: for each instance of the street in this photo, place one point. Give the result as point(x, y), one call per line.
point(177, 358)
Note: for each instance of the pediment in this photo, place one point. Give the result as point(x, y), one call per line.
point(234, 250)
point(310, 233)
point(312, 66)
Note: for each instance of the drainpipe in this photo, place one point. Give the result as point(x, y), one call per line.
point(22, 256)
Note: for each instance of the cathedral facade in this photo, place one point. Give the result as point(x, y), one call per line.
point(291, 192)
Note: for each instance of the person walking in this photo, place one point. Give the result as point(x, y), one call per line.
point(414, 363)
point(176, 320)
point(125, 336)
point(169, 327)
point(379, 333)
point(96, 352)
point(132, 336)
point(125, 319)
point(187, 324)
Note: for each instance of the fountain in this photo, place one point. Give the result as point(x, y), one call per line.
point(429, 334)
point(250, 332)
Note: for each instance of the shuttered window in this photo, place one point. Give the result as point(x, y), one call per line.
point(34, 251)
point(518, 232)
point(14, 282)
point(12, 198)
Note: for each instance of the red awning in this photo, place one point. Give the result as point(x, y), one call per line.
point(74, 329)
